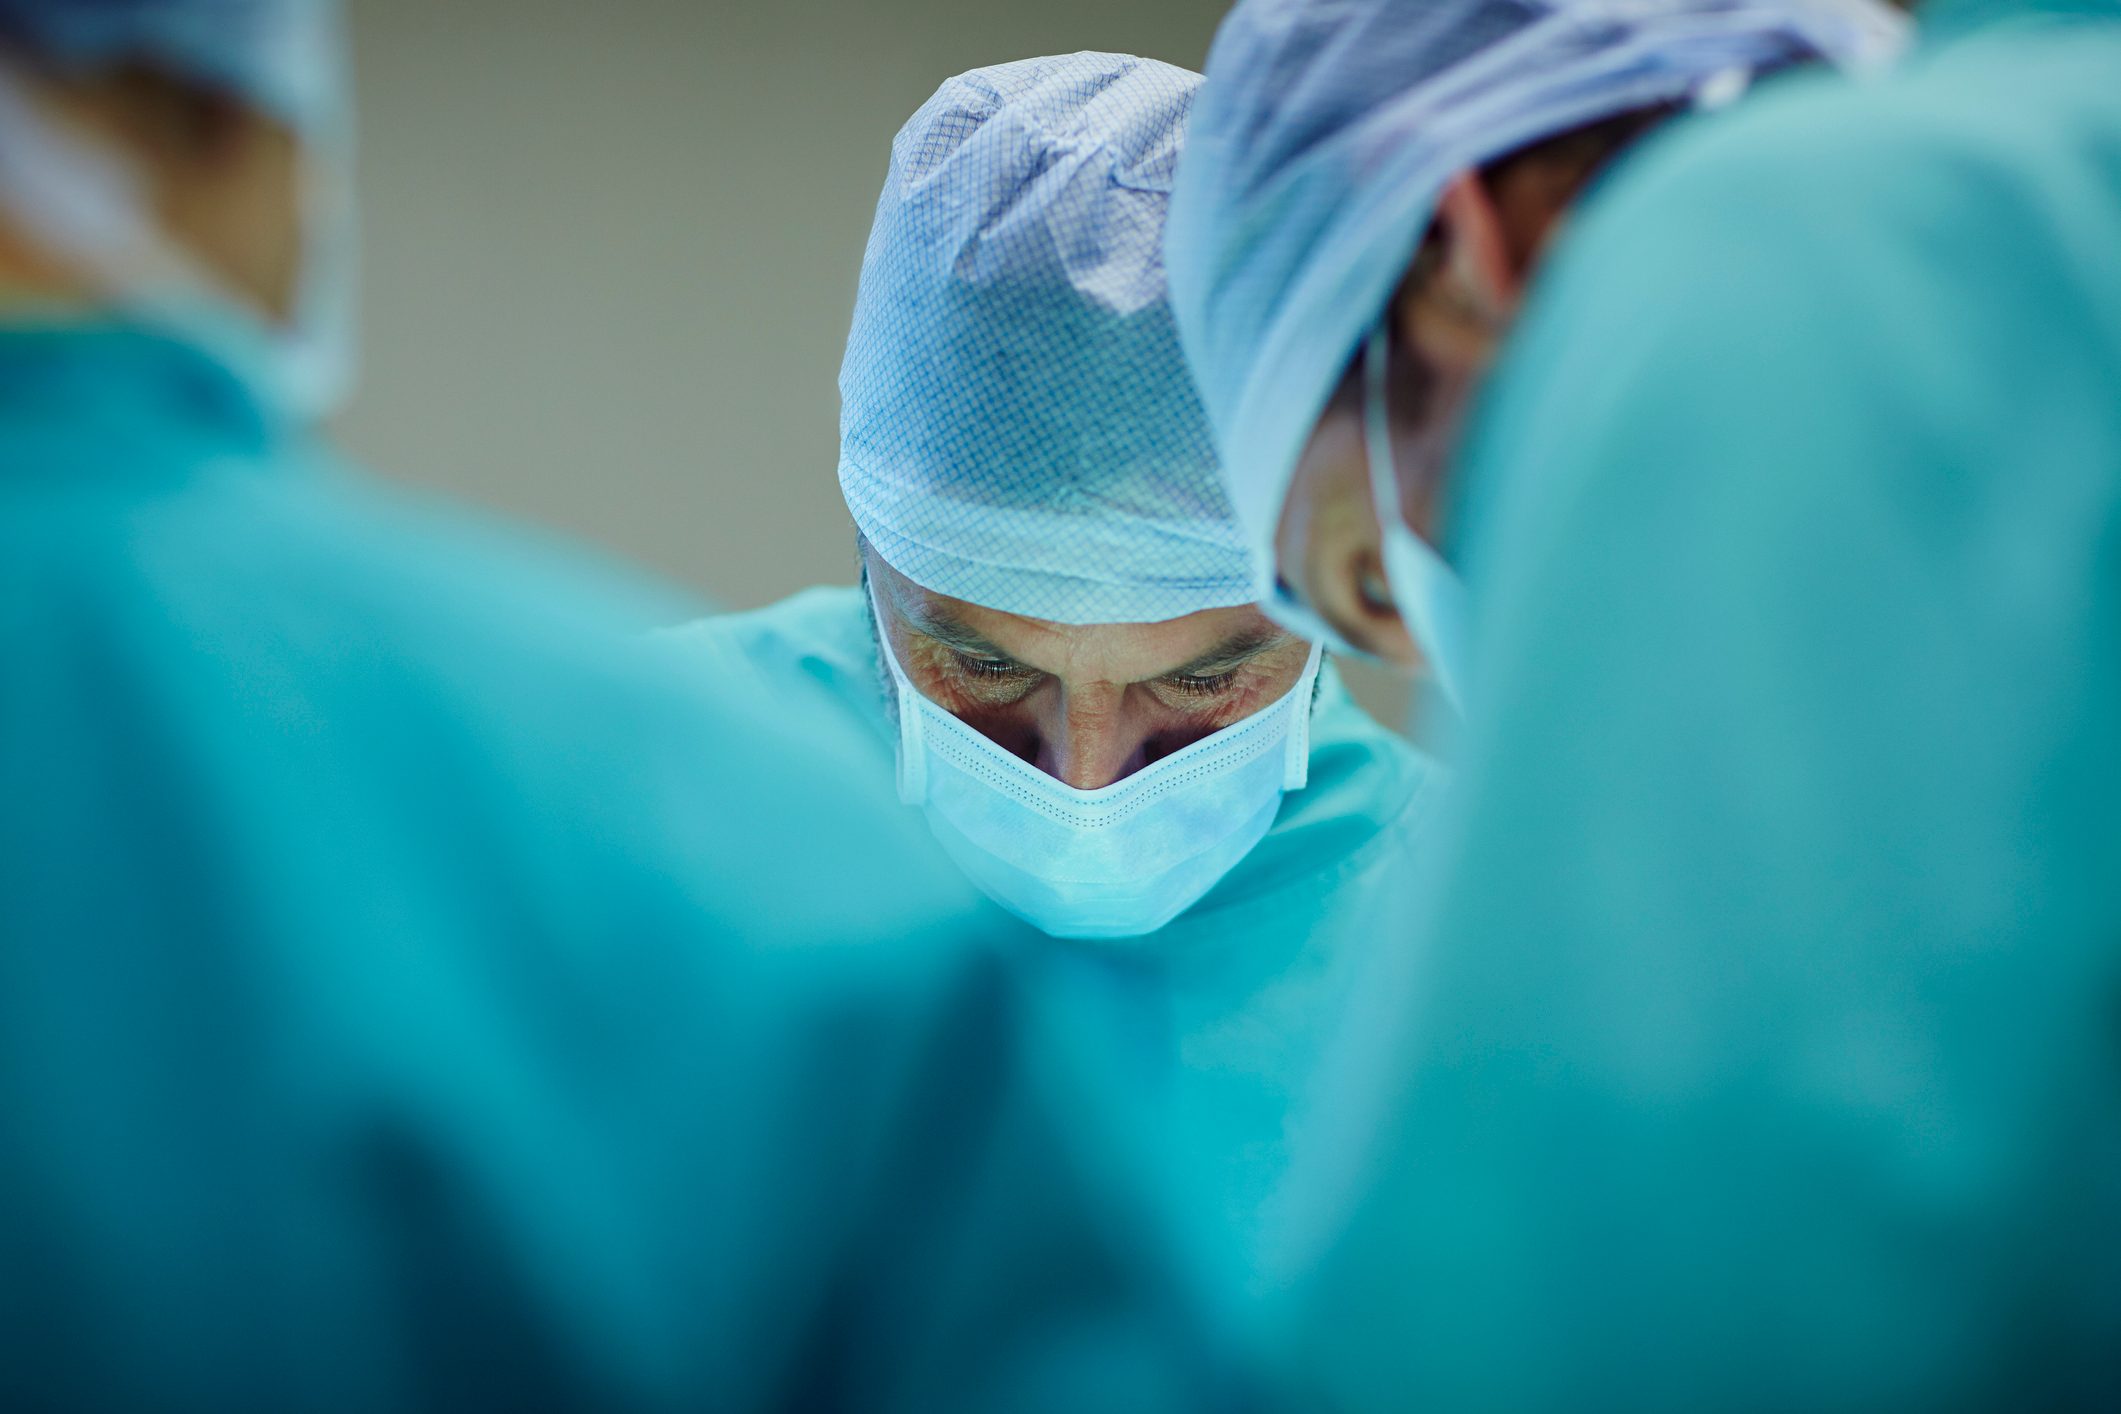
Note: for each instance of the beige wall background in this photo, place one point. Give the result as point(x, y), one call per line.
point(611, 248)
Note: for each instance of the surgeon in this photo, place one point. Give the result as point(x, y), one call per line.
point(1054, 651)
point(408, 1001)
point(1370, 189)
point(1796, 596)
point(1794, 520)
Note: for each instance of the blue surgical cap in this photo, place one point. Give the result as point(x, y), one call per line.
point(282, 57)
point(1327, 128)
point(1018, 428)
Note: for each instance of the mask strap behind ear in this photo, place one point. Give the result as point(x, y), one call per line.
point(1377, 432)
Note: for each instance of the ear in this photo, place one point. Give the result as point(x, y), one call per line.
point(1477, 252)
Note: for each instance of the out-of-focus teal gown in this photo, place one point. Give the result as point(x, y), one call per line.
point(408, 1000)
point(1760, 1044)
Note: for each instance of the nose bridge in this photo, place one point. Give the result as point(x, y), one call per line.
point(1093, 740)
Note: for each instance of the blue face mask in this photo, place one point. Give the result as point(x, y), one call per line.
point(1115, 862)
point(81, 203)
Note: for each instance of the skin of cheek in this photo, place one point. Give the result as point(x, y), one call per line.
point(1327, 541)
point(1423, 457)
point(1328, 528)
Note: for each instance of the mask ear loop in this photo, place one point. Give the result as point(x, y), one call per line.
point(1424, 587)
point(1377, 434)
point(1296, 759)
point(912, 736)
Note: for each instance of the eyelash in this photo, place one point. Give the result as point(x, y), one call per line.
point(1203, 686)
point(1001, 670)
point(992, 669)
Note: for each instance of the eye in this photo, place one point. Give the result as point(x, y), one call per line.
point(1197, 685)
point(989, 669)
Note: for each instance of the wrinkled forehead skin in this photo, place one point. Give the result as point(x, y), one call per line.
point(1325, 130)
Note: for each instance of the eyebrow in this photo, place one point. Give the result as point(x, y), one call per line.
point(940, 625)
point(1233, 652)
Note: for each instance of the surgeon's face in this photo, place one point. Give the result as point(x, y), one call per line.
point(1328, 545)
point(1443, 327)
point(1087, 704)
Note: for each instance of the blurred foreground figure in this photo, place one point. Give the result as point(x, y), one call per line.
point(405, 1002)
point(1055, 651)
point(1763, 1046)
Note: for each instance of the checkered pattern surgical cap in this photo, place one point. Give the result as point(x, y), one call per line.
point(1018, 428)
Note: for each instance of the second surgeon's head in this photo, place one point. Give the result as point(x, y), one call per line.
point(1060, 588)
point(1370, 188)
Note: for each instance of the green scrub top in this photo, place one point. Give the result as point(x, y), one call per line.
point(1760, 1044)
point(410, 1001)
point(1228, 1007)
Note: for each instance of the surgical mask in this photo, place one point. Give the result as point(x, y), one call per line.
point(1428, 593)
point(1115, 862)
point(83, 204)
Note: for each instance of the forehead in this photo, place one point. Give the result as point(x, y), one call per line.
point(1080, 653)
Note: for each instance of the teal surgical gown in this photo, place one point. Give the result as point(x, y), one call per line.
point(1227, 1009)
point(409, 1001)
point(1760, 1046)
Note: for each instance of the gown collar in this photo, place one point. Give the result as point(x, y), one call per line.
point(82, 384)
